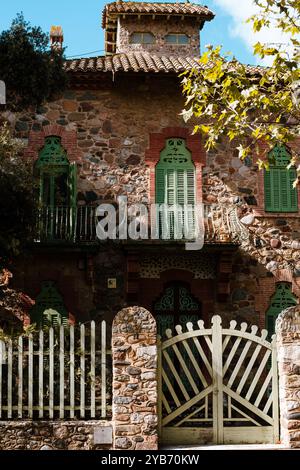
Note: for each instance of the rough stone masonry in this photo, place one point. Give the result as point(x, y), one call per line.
point(134, 355)
point(288, 345)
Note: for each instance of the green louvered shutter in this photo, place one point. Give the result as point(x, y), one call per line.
point(160, 185)
point(170, 199)
point(280, 195)
point(191, 199)
point(292, 176)
point(284, 190)
point(72, 186)
point(268, 191)
point(275, 181)
point(160, 178)
point(181, 200)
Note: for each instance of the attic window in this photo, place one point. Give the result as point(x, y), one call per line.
point(142, 38)
point(177, 38)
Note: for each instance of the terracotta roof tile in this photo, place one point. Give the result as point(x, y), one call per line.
point(131, 62)
point(137, 62)
point(189, 9)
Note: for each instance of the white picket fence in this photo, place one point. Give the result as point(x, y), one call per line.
point(57, 373)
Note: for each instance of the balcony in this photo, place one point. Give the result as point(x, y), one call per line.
point(78, 225)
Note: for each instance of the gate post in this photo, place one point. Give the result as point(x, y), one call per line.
point(134, 384)
point(159, 387)
point(288, 350)
point(217, 377)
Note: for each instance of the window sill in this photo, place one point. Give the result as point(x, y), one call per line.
point(276, 215)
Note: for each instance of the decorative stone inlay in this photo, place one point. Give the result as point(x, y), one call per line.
point(134, 380)
point(288, 346)
point(203, 266)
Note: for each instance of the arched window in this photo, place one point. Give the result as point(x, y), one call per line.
point(280, 195)
point(175, 190)
point(49, 308)
point(177, 38)
point(282, 299)
point(142, 38)
point(58, 190)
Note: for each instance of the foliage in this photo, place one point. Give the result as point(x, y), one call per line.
point(17, 199)
point(31, 72)
point(250, 104)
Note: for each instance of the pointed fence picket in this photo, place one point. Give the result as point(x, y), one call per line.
point(56, 374)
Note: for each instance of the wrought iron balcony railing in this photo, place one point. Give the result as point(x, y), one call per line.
point(78, 225)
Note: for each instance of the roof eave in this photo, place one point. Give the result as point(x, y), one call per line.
point(112, 17)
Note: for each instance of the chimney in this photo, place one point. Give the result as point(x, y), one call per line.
point(56, 38)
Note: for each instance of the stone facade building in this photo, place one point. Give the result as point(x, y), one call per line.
point(104, 139)
point(117, 131)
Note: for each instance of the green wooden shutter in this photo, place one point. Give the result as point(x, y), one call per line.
point(275, 181)
point(268, 191)
point(170, 197)
point(72, 186)
point(181, 190)
point(280, 195)
point(191, 199)
point(181, 201)
point(284, 190)
point(293, 201)
point(160, 185)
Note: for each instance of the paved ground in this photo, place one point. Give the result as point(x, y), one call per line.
point(230, 447)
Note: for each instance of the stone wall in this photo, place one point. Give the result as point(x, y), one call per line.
point(134, 354)
point(50, 435)
point(134, 399)
point(274, 238)
point(159, 28)
point(288, 344)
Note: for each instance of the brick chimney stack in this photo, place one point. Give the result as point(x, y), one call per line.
point(56, 38)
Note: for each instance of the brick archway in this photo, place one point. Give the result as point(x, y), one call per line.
point(193, 143)
point(68, 140)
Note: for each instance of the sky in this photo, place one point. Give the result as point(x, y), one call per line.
point(83, 36)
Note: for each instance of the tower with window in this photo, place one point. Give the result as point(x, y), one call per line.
point(155, 28)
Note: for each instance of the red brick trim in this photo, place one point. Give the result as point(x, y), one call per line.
point(267, 288)
point(259, 211)
point(68, 139)
point(193, 143)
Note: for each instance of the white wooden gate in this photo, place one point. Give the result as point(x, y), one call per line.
point(218, 385)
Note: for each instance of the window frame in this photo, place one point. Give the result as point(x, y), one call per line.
point(173, 173)
point(177, 35)
point(288, 300)
point(142, 33)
